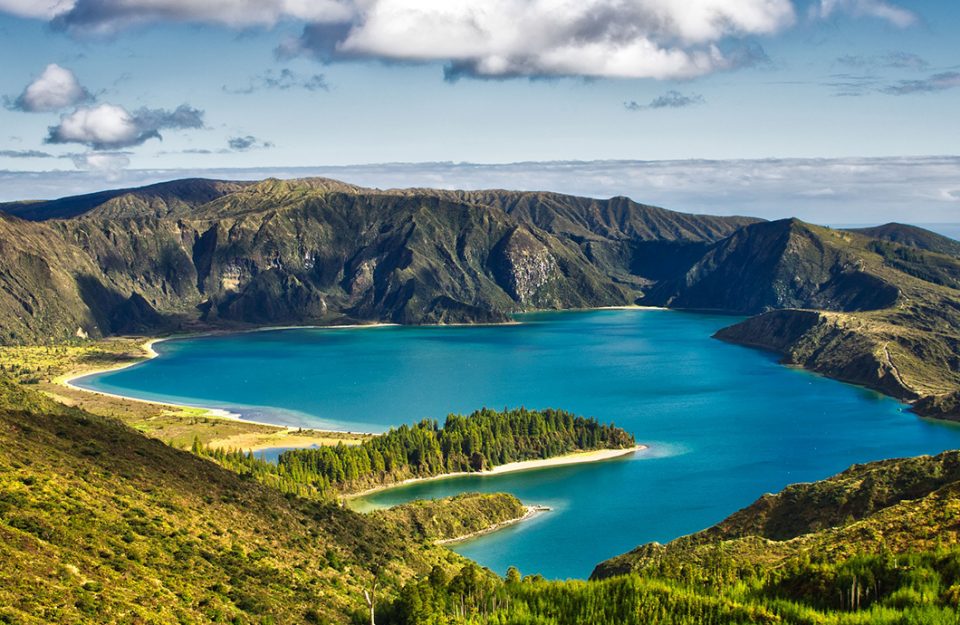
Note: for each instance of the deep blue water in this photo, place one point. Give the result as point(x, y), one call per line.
point(724, 423)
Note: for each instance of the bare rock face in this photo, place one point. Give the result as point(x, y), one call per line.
point(363, 277)
point(525, 268)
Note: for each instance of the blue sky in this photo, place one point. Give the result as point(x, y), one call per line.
point(142, 89)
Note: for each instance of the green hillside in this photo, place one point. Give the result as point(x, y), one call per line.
point(101, 524)
point(190, 254)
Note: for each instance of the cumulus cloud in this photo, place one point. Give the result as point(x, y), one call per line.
point(109, 127)
point(879, 9)
point(490, 38)
point(671, 99)
point(55, 89)
point(285, 80)
point(505, 38)
point(487, 38)
point(248, 142)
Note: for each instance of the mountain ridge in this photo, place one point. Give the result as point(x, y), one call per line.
point(320, 251)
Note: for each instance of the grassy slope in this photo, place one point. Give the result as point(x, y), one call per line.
point(44, 367)
point(907, 348)
point(890, 506)
point(874, 545)
point(453, 517)
point(99, 523)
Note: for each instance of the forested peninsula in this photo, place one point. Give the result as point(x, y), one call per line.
point(463, 444)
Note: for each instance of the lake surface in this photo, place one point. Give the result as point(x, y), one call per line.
point(724, 423)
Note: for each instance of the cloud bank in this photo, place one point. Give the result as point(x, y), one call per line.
point(829, 191)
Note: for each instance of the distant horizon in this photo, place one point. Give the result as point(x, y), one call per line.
point(826, 110)
point(856, 190)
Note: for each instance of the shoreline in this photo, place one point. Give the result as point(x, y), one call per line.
point(68, 380)
point(531, 512)
point(286, 436)
point(577, 457)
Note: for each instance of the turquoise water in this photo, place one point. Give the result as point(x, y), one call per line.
point(724, 423)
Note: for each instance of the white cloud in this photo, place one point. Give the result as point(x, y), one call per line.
point(878, 9)
point(492, 38)
point(639, 39)
point(42, 9)
point(55, 89)
point(107, 126)
point(663, 39)
point(104, 125)
point(108, 16)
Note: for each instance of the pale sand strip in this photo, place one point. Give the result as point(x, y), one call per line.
point(578, 457)
point(531, 511)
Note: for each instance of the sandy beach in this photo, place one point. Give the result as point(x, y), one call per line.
point(580, 457)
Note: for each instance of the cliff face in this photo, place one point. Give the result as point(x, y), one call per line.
point(782, 264)
point(319, 251)
point(827, 343)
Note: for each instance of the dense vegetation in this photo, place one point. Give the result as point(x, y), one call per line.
point(920, 588)
point(455, 517)
point(100, 524)
point(482, 440)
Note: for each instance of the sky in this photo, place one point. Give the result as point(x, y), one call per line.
point(831, 110)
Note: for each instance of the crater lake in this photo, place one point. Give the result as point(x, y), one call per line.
point(724, 423)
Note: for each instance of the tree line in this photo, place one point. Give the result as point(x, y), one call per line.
point(914, 588)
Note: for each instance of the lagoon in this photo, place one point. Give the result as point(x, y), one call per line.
point(724, 423)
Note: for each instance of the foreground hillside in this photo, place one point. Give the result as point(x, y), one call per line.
point(101, 524)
